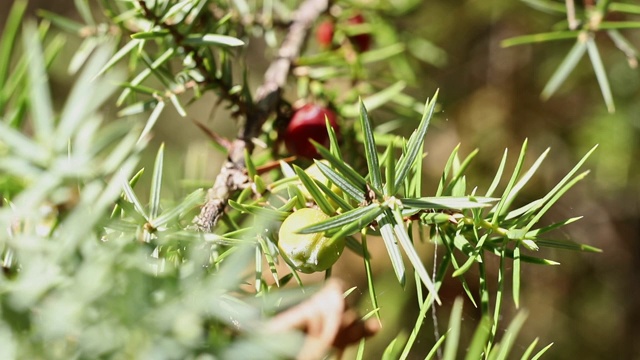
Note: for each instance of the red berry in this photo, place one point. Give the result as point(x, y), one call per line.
point(308, 123)
point(362, 42)
point(324, 34)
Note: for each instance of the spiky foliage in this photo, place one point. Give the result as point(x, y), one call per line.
point(90, 270)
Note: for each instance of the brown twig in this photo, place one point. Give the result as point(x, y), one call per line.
point(232, 176)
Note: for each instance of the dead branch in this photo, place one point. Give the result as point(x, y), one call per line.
point(232, 176)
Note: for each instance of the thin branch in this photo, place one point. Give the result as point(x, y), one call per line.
point(232, 176)
point(268, 95)
point(571, 14)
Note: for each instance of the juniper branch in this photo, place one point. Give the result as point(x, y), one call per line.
point(268, 97)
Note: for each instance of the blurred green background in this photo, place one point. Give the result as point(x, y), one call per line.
point(590, 305)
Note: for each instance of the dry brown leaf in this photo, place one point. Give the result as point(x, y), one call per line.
point(327, 320)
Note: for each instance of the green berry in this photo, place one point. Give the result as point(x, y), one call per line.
point(307, 253)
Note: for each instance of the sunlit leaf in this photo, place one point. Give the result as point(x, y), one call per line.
point(479, 340)
point(40, 95)
point(626, 8)
point(449, 202)
point(313, 189)
point(601, 74)
point(345, 185)
point(536, 38)
point(453, 335)
point(566, 67)
point(146, 35)
point(414, 146)
point(9, 36)
point(156, 183)
point(355, 215)
point(213, 39)
point(371, 153)
point(386, 222)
